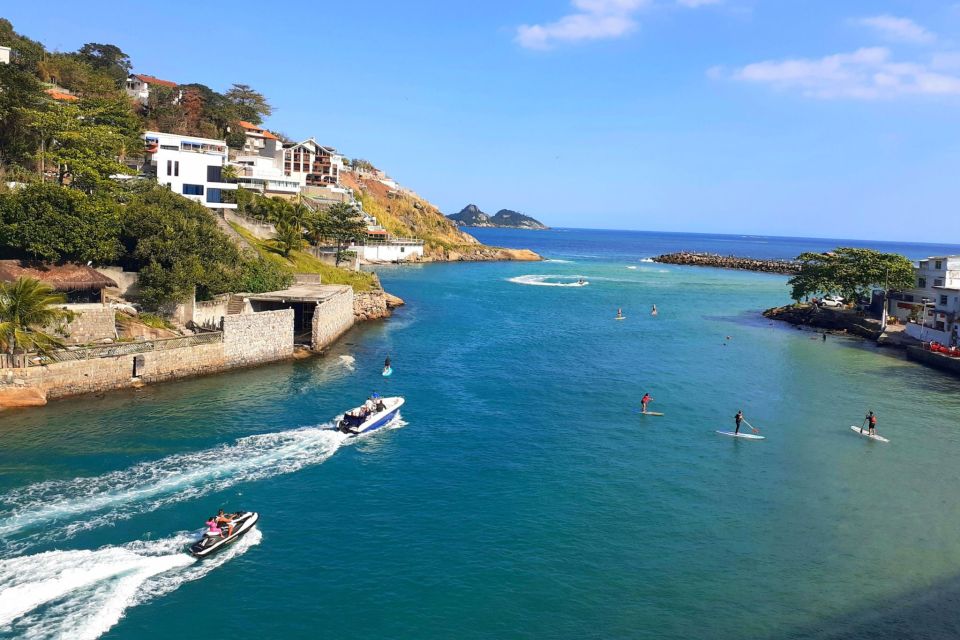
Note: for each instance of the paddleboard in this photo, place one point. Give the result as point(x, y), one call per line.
point(748, 436)
point(651, 413)
point(867, 435)
point(621, 318)
point(388, 372)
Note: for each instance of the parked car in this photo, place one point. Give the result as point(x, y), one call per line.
point(831, 301)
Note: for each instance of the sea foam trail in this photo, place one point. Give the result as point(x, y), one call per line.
point(81, 594)
point(26, 514)
point(545, 281)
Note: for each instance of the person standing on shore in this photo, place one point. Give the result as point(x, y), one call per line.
point(738, 419)
point(870, 419)
point(644, 401)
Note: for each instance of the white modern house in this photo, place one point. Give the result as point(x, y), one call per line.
point(934, 303)
point(4, 55)
point(138, 87)
point(190, 166)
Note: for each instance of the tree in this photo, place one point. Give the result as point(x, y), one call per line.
point(251, 105)
point(106, 58)
point(27, 306)
point(289, 236)
point(50, 222)
point(850, 272)
point(340, 223)
point(20, 93)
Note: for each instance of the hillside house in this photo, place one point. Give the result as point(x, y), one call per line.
point(190, 166)
point(4, 55)
point(259, 163)
point(934, 303)
point(138, 87)
point(312, 164)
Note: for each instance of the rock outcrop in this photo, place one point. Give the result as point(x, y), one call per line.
point(764, 265)
point(835, 320)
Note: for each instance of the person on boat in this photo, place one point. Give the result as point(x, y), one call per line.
point(653, 311)
point(619, 313)
point(738, 419)
point(871, 420)
point(378, 402)
point(644, 401)
point(213, 527)
point(224, 519)
point(580, 281)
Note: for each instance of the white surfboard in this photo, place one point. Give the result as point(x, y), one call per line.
point(748, 436)
point(867, 435)
point(650, 413)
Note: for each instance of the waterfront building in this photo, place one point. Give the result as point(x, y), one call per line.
point(312, 164)
point(4, 55)
point(138, 86)
point(190, 166)
point(259, 165)
point(933, 304)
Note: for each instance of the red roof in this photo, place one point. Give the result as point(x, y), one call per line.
point(152, 80)
point(60, 95)
point(249, 126)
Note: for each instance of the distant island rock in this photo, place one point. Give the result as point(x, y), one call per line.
point(472, 216)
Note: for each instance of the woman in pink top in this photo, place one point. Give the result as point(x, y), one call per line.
point(213, 527)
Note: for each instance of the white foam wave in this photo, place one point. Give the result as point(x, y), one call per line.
point(81, 594)
point(646, 260)
point(548, 281)
point(349, 362)
point(558, 260)
point(87, 503)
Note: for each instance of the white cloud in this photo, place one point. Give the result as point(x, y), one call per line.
point(865, 74)
point(693, 4)
point(595, 20)
point(898, 29)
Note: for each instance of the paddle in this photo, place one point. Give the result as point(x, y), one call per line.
point(755, 430)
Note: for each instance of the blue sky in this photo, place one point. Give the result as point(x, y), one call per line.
point(812, 118)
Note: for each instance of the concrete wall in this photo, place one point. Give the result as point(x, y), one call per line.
point(927, 334)
point(126, 280)
point(91, 323)
point(332, 318)
point(208, 313)
point(248, 339)
point(100, 374)
point(936, 360)
point(263, 231)
point(390, 252)
point(252, 338)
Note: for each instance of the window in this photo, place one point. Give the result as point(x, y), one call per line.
point(170, 147)
point(938, 282)
point(213, 196)
point(176, 168)
point(214, 173)
point(938, 265)
point(943, 300)
point(921, 283)
point(193, 189)
point(169, 167)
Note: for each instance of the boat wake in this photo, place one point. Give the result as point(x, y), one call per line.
point(549, 281)
point(53, 510)
point(81, 594)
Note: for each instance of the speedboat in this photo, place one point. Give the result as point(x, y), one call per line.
point(210, 543)
point(359, 420)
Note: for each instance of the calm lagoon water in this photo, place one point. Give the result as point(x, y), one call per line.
point(521, 495)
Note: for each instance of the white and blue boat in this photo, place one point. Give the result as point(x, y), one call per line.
point(375, 413)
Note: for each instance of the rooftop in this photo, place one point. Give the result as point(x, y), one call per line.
point(249, 126)
point(62, 277)
point(60, 95)
point(151, 80)
point(301, 292)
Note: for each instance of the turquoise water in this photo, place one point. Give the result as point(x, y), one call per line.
point(520, 495)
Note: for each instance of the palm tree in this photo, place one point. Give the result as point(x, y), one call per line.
point(27, 306)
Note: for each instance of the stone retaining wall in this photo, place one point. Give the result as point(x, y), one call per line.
point(91, 323)
point(332, 318)
point(935, 360)
point(253, 338)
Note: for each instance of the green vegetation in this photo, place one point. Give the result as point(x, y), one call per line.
point(154, 321)
point(850, 272)
point(302, 262)
point(27, 306)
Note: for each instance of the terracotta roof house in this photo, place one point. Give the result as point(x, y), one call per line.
point(78, 282)
point(138, 86)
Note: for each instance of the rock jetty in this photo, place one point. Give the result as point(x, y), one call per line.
point(788, 267)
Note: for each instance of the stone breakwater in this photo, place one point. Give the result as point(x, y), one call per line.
point(787, 267)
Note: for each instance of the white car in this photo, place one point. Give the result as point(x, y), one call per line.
point(831, 301)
